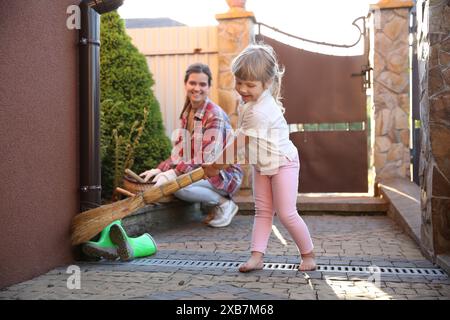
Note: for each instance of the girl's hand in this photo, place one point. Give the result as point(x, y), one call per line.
point(149, 174)
point(212, 170)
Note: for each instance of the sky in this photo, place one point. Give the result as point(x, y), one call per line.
point(320, 20)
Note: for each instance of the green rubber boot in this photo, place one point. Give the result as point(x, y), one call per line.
point(103, 247)
point(131, 248)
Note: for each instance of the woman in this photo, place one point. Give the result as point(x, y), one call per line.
point(204, 128)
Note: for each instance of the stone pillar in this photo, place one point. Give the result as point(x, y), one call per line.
point(433, 54)
point(391, 89)
point(235, 32)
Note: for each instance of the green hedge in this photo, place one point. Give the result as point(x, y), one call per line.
point(126, 94)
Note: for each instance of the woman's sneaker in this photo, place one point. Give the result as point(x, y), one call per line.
point(224, 214)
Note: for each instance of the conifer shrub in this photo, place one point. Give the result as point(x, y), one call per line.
point(132, 131)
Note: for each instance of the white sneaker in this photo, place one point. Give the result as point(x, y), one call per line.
point(224, 214)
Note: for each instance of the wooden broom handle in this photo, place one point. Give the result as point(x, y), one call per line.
point(155, 193)
point(134, 176)
point(125, 192)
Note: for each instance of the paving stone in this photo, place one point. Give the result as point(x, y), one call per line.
point(357, 240)
point(258, 285)
point(215, 272)
point(443, 280)
point(340, 262)
point(381, 263)
point(295, 280)
point(233, 289)
point(330, 296)
point(405, 291)
point(419, 279)
point(421, 297)
point(312, 274)
point(287, 273)
point(357, 276)
point(359, 263)
point(404, 264)
point(303, 296)
point(335, 276)
point(390, 278)
point(322, 261)
point(258, 296)
point(423, 264)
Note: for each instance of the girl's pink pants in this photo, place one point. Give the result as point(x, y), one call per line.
point(278, 193)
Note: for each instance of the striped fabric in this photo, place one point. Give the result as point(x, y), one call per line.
point(204, 145)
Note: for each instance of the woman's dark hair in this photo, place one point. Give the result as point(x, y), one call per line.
point(195, 68)
point(198, 68)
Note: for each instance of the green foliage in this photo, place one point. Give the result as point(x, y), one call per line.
point(132, 132)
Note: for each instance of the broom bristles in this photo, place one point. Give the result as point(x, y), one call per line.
point(89, 223)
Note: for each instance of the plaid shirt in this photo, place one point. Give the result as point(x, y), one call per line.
point(210, 123)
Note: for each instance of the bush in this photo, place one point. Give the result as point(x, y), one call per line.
point(131, 121)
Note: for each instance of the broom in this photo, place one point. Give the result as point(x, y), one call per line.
point(89, 223)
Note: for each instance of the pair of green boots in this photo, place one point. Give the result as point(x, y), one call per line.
point(114, 243)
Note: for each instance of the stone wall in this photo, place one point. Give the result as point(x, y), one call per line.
point(235, 32)
point(391, 91)
point(434, 76)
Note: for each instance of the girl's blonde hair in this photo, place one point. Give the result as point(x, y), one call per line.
point(258, 62)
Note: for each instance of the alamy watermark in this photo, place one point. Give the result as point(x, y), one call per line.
point(375, 275)
point(258, 147)
point(74, 280)
point(74, 19)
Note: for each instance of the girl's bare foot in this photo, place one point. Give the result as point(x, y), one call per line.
point(254, 263)
point(308, 262)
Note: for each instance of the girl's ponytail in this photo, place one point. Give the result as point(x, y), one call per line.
point(275, 89)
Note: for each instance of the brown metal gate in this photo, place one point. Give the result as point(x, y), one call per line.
point(324, 98)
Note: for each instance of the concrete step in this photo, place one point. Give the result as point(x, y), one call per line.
point(173, 213)
point(325, 204)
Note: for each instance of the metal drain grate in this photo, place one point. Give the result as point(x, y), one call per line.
point(384, 270)
point(433, 272)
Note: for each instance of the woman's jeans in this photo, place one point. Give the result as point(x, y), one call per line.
point(201, 191)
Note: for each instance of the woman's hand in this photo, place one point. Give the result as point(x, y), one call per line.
point(149, 174)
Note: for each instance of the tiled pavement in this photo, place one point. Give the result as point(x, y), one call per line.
point(338, 240)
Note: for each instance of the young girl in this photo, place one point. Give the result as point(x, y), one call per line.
point(275, 174)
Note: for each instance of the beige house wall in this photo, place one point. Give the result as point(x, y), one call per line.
point(169, 51)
